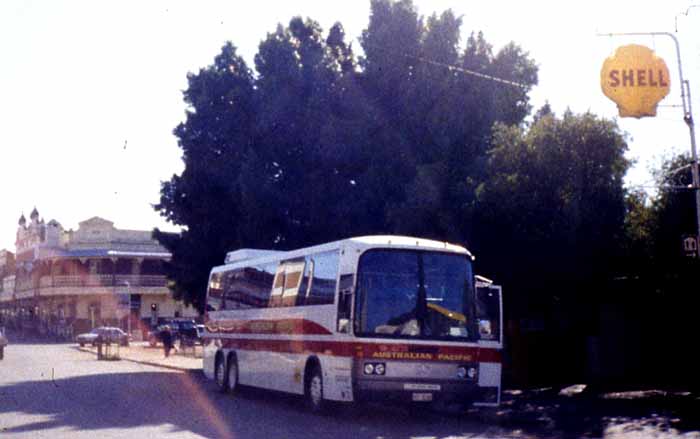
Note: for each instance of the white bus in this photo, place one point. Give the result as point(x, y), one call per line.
point(367, 318)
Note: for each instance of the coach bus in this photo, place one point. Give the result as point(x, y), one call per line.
point(366, 318)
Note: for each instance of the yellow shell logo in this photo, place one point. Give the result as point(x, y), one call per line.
point(636, 80)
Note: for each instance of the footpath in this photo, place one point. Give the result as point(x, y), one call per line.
point(141, 352)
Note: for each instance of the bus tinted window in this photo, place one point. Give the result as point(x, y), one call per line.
point(214, 292)
point(323, 279)
point(414, 294)
point(247, 287)
point(293, 271)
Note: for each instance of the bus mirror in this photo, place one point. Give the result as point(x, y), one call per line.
point(485, 329)
point(344, 303)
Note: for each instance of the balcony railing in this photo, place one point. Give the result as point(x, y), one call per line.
point(103, 280)
point(24, 285)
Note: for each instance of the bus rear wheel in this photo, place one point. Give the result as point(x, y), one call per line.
point(313, 391)
point(232, 375)
point(220, 374)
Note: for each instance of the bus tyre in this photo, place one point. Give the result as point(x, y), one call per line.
point(220, 374)
point(313, 391)
point(232, 375)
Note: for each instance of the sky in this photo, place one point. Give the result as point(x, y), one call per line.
point(91, 91)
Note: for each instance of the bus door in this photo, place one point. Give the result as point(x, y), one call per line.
point(489, 319)
point(489, 315)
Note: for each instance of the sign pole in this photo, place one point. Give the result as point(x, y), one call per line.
point(687, 117)
point(128, 314)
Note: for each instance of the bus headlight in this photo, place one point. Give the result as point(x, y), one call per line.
point(466, 372)
point(374, 369)
point(461, 372)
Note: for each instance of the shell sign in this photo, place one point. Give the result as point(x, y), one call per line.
point(635, 79)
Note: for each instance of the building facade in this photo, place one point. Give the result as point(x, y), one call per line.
point(65, 282)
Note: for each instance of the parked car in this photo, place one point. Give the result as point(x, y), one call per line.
point(105, 334)
point(200, 335)
point(200, 331)
point(3, 343)
point(180, 328)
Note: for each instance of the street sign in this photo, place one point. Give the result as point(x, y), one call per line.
point(122, 305)
point(690, 246)
point(636, 80)
point(123, 300)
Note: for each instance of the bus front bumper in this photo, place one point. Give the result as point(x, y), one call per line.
point(412, 391)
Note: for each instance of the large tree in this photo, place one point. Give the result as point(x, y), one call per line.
point(436, 103)
point(549, 221)
point(551, 212)
point(206, 200)
point(316, 145)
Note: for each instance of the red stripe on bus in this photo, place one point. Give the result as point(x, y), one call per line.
point(277, 326)
point(378, 351)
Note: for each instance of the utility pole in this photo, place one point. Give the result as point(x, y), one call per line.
point(687, 117)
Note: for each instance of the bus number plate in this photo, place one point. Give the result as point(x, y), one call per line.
point(417, 386)
point(422, 396)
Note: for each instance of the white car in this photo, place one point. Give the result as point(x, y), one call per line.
point(105, 334)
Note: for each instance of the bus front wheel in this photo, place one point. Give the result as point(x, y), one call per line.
point(313, 391)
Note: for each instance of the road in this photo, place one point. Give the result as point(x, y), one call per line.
point(58, 391)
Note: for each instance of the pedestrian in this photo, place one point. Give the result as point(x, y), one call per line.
point(167, 339)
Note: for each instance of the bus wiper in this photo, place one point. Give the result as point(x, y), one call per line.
point(421, 299)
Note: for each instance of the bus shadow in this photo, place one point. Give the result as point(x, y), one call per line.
point(169, 402)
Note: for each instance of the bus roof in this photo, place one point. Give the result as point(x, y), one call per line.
point(247, 253)
point(360, 242)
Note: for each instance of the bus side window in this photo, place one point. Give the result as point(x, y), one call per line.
point(247, 287)
point(214, 293)
point(306, 283)
point(277, 287)
point(488, 313)
point(294, 273)
point(345, 302)
point(323, 282)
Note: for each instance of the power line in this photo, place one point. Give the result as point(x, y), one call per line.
point(452, 68)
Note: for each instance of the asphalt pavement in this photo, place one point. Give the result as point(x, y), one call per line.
point(58, 390)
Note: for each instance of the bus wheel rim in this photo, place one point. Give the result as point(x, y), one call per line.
point(220, 373)
point(316, 390)
point(232, 376)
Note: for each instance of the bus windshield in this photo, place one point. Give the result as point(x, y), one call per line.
point(414, 294)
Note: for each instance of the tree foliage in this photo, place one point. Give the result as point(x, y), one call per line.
point(658, 227)
point(552, 205)
point(413, 137)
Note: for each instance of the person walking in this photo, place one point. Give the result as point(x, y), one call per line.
point(167, 338)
